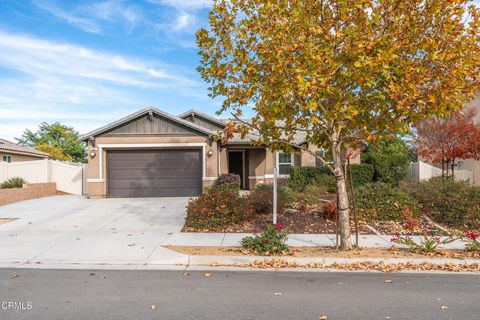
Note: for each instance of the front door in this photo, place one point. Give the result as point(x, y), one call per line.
point(235, 165)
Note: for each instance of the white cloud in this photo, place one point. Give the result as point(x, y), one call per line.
point(185, 4)
point(85, 24)
point(94, 17)
point(40, 58)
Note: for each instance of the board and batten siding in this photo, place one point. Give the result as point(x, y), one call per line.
point(151, 125)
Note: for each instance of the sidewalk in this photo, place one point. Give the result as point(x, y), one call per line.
point(294, 240)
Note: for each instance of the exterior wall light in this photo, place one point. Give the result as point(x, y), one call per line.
point(209, 152)
point(93, 152)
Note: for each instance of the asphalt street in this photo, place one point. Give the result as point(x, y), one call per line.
point(101, 294)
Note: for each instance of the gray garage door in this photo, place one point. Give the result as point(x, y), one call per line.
point(154, 173)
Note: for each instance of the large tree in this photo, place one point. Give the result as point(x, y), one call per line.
point(339, 71)
point(445, 140)
point(58, 140)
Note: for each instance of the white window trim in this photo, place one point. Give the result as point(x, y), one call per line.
point(5, 156)
point(292, 163)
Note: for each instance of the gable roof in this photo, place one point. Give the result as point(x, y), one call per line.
point(202, 115)
point(9, 146)
point(140, 113)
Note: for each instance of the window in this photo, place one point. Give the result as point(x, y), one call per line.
point(320, 154)
point(7, 159)
point(285, 163)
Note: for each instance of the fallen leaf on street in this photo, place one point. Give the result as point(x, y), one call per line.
point(186, 273)
point(14, 275)
point(92, 273)
point(152, 307)
point(444, 307)
point(324, 317)
point(132, 244)
point(388, 281)
point(206, 274)
point(278, 293)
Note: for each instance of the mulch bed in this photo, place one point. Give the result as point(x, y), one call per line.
point(394, 227)
point(310, 221)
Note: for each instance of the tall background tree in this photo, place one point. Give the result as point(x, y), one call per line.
point(445, 140)
point(339, 71)
point(58, 140)
point(389, 158)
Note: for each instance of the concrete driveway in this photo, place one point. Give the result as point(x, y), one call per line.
point(73, 229)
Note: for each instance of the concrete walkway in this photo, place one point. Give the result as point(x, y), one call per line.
point(297, 240)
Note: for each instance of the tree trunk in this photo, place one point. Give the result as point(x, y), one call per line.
point(342, 196)
point(453, 169)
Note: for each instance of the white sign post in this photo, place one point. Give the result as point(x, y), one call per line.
point(275, 195)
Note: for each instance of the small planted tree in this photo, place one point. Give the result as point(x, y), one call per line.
point(446, 140)
point(338, 71)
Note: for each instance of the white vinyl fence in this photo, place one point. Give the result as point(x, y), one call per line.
point(419, 171)
point(69, 177)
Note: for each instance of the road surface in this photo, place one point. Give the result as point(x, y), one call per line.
point(86, 294)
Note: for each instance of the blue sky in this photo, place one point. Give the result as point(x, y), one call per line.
point(86, 63)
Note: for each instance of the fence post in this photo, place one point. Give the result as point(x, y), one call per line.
point(274, 204)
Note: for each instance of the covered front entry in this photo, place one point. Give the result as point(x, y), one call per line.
point(154, 173)
point(236, 165)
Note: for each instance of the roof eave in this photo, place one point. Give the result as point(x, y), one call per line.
point(96, 132)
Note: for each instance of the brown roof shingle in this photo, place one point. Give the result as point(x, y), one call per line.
point(8, 146)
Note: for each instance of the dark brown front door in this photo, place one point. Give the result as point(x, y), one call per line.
point(154, 173)
point(235, 164)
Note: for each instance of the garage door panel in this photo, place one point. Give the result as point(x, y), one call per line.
point(154, 173)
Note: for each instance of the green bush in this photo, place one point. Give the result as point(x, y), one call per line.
point(454, 203)
point(301, 177)
point(15, 182)
point(361, 174)
point(261, 198)
point(390, 158)
point(381, 202)
point(273, 241)
point(311, 194)
point(217, 209)
point(227, 181)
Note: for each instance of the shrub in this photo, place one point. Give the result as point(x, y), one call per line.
point(272, 241)
point(381, 202)
point(428, 243)
point(301, 177)
point(330, 210)
point(217, 209)
point(227, 181)
point(15, 182)
point(311, 194)
point(261, 198)
point(473, 239)
point(453, 203)
point(361, 174)
point(390, 158)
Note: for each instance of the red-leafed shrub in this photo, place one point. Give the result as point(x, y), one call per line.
point(330, 210)
point(217, 209)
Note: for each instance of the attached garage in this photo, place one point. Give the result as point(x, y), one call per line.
point(154, 173)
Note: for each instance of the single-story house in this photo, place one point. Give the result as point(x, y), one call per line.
point(151, 153)
point(12, 152)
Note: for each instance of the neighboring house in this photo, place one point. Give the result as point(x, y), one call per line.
point(12, 152)
point(151, 153)
point(469, 164)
